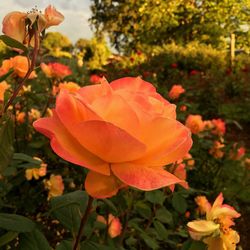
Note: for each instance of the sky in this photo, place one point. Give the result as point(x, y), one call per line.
point(76, 13)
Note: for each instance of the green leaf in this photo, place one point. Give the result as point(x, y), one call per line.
point(14, 43)
point(143, 209)
point(68, 209)
point(194, 245)
point(34, 240)
point(16, 223)
point(163, 215)
point(26, 158)
point(179, 203)
point(65, 245)
point(152, 243)
point(91, 245)
point(155, 197)
point(161, 230)
point(8, 237)
point(6, 142)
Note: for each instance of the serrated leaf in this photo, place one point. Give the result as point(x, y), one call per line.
point(14, 43)
point(8, 237)
point(160, 229)
point(163, 215)
point(34, 240)
point(179, 203)
point(155, 197)
point(68, 209)
point(152, 243)
point(143, 209)
point(6, 142)
point(16, 223)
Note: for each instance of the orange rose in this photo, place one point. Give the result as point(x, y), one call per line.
point(114, 225)
point(55, 70)
point(6, 66)
point(195, 123)
point(3, 87)
point(20, 65)
point(17, 24)
point(123, 132)
point(176, 91)
point(219, 127)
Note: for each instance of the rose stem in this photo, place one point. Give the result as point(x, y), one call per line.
point(83, 222)
point(31, 68)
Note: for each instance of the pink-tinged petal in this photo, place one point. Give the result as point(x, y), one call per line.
point(67, 147)
point(181, 173)
point(14, 25)
point(201, 228)
point(53, 16)
point(72, 111)
point(167, 141)
point(143, 177)
point(109, 142)
point(102, 186)
point(110, 108)
point(134, 84)
point(88, 94)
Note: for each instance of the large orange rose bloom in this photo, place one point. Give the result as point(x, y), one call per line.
point(123, 132)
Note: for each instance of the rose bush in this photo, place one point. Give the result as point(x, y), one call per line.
point(123, 132)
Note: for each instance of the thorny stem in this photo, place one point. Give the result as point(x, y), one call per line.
point(31, 68)
point(83, 222)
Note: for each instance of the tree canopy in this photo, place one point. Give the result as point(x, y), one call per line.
point(131, 23)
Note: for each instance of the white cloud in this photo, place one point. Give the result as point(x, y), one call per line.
point(76, 14)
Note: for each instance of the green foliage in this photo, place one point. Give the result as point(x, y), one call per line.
point(130, 24)
point(94, 52)
point(57, 44)
point(6, 142)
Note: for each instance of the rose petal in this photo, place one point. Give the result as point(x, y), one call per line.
point(102, 186)
point(134, 84)
point(110, 108)
point(167, 141)
point(90, 93)
point(143, 177)
point(14, 25)
point(71, 111)
point(109, 142)
point(67, 147)
point(200, 228)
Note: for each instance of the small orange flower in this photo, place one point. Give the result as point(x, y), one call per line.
point(54, 185)
point(195, 123)
point(20, 117)
point(34, 114)
point(95, 79)
point(219, 127)
point(216, 150)
point(3, 87)
point(55, 70)
point(70, 86)
point(203, 204)
point(176, 91)
point(114, 225)
point(237, 152)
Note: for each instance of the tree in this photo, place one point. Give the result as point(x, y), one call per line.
point(132, 23)
point(57, 44)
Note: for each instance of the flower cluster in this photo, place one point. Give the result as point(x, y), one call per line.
point(215, 230)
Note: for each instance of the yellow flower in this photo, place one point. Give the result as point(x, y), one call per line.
point(215, 231)
point(36, 172)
